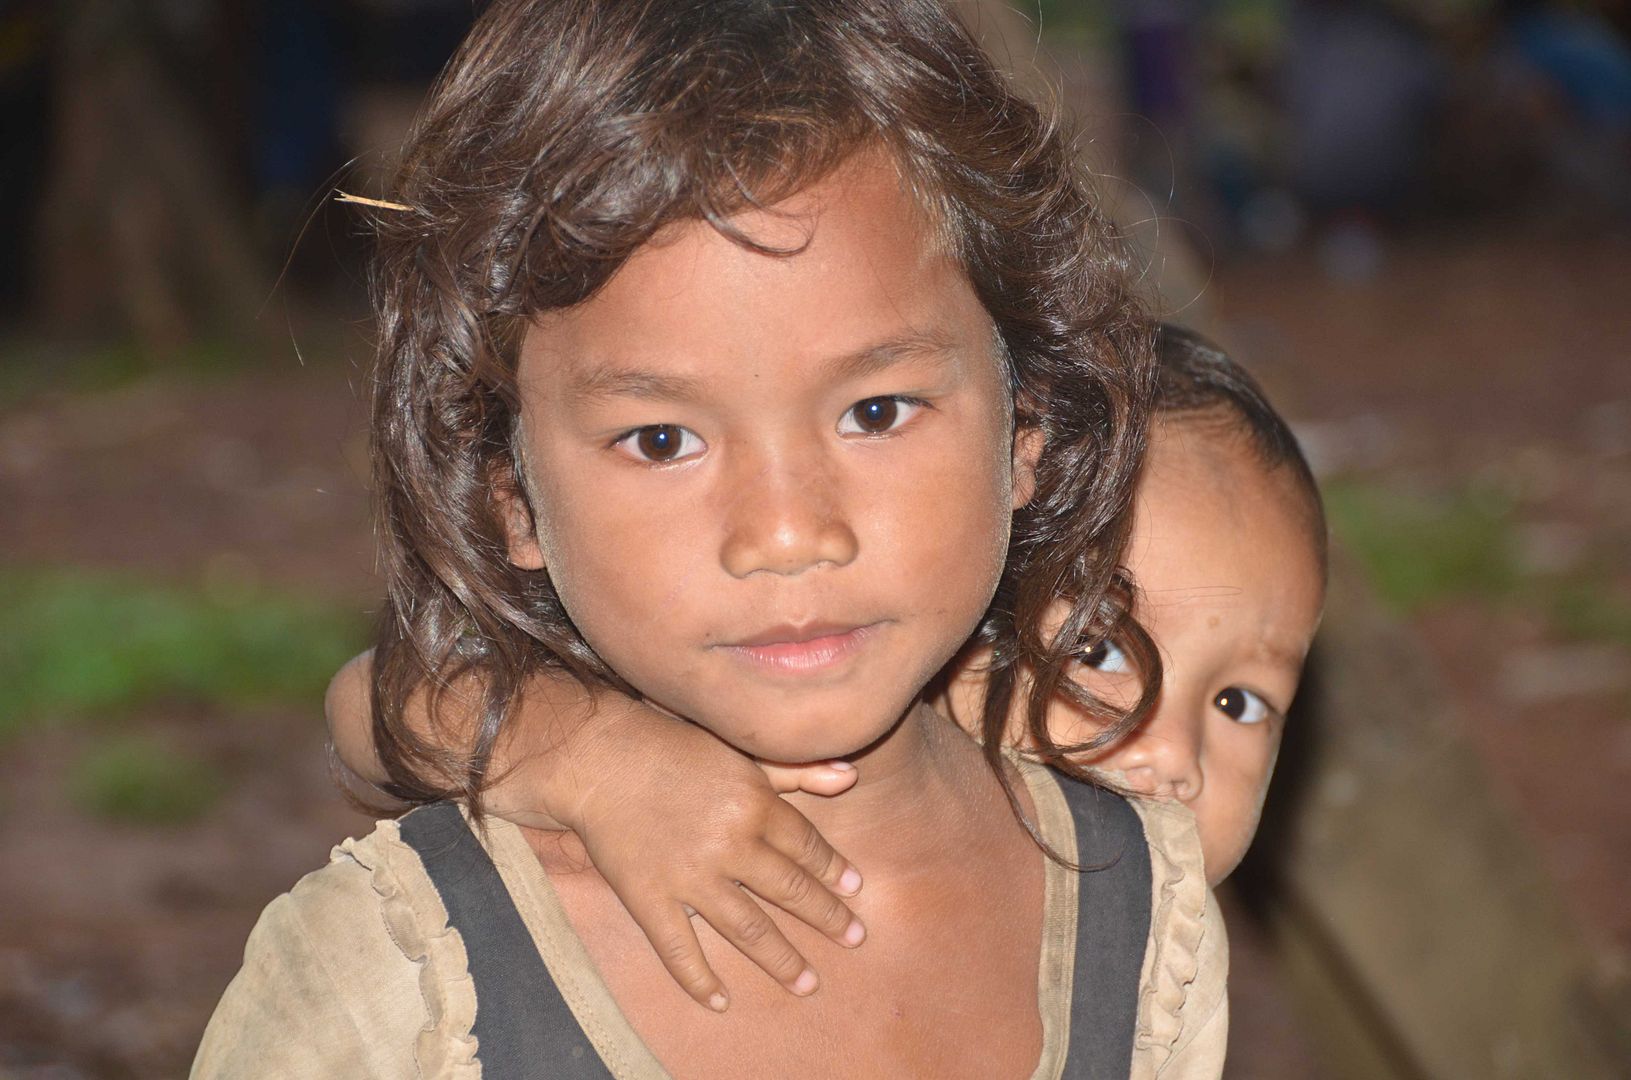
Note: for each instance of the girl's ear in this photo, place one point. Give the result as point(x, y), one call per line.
point(520, 537)
point(520, 530)
point(1028, 441)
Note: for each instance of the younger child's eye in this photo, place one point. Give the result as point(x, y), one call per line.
point(660, 443)
point(874, 416)
point(1242, 706)
point(1106, 656)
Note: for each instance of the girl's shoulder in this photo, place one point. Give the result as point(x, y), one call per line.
point(1184, 1009)
point(354, 971)
point(1144, 855)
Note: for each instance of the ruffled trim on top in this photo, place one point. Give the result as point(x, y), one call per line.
point(445, 1048)
point(1178, 928)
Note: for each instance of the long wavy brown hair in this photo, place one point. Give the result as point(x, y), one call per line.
point(560, 138)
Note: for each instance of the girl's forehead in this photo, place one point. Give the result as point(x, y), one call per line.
point(856, 268)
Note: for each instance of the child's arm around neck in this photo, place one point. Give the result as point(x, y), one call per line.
point(630, 781)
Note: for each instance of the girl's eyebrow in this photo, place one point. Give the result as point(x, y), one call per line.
point(603, 381)
point(884, 355)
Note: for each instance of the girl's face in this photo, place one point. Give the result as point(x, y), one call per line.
point(1231, 591)
point(774, 492)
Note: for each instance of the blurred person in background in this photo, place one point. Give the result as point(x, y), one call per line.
point(25, 104)
point(1362, 88)
point(1576, 67)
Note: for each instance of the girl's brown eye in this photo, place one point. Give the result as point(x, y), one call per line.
point(660, 442)
point(876, 415)
point(879, 415)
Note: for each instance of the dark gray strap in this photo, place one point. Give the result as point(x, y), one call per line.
point(524, 1029)
point(1112, 927)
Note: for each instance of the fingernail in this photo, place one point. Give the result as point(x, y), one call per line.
point(855, 933)
point(805, 983)
point(841, 766)
point(849, 882)
point(719, 1002)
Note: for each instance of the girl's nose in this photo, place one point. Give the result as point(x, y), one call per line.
point(1163, 757)
point(786, 521)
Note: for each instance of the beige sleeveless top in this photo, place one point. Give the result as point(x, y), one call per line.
point(355, 972)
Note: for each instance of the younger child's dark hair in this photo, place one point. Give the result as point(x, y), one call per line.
point(1199, 380)
point(1196, 382)
point(563, 136)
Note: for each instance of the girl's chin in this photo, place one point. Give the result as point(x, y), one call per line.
point(803, 740)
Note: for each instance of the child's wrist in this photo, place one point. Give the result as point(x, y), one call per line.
point(583, 750)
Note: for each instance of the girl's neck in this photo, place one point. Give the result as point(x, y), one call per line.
point(920, 791)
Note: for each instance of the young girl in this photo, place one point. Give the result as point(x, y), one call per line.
point(700, 313)
point(1228, 549)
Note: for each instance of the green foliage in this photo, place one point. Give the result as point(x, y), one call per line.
point(75, 643)
point(1586, 608)
point(1421, 549)
point(1245, 28)
point(141, 781)
point(1069, 21)
point(29, 369)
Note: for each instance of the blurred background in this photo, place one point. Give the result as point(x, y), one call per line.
point(1411, 220)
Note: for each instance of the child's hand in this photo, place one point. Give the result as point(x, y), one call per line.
point(688, 825)
point(675, 821)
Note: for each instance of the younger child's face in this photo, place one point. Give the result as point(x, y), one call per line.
point(1231, 590)
point(774, 492)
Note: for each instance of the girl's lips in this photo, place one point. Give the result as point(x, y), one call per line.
point(826, 648)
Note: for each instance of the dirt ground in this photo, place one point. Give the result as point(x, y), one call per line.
point(1468, 357)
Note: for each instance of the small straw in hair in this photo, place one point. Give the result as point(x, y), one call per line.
point(363, 200)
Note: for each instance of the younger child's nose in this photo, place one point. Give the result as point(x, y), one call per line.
point(1163, 758)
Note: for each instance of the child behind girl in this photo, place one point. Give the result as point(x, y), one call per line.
point(1228, 551)
point(744, 357)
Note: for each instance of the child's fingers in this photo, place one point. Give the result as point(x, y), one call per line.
point(822, 778)
point(792, 888)
point(791, 833)
point(670, 932)
point(740, 920)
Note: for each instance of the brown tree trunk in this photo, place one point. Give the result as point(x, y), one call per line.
point(139, 234)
